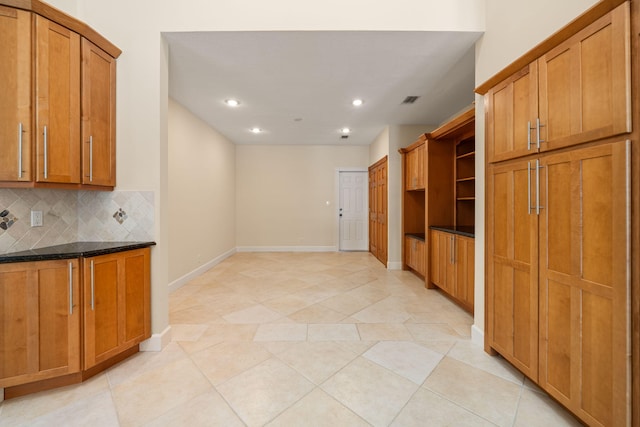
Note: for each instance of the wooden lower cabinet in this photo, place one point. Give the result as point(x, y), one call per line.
point(452, 266)
point(116, 304)
point(416, 257)
point(39, 321)
point(558, 278)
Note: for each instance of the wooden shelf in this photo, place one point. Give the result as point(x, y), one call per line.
point(466, 155)
point(466, 198)
point(470, 178)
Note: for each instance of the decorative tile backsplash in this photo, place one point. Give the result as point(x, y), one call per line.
point(74, 216)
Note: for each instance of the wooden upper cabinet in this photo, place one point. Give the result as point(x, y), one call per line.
point(57, 103)
point(39, 320)
point(16, 134)
point(414, 168)
point(585, 84)
point(98, 116)
point(512, 109)
point(585, 281)
point(577, 92)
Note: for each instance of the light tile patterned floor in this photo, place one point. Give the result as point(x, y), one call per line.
point(303, 339)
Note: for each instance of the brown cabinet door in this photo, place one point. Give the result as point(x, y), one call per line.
point(116, 303)
point(98, 116)
point(464, 260)
point(512, 111)
point(57, 103)
point(15, 102)
point(420, 167)
point(39, 320)
point(410, 170)
point(101, 308)
point(137, 296)
point(512, 265)
point(585, 84)
point(584, 281)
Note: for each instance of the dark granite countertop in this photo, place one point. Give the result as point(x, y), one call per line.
point(419, 236)
point(468, 231)
point(72, 250)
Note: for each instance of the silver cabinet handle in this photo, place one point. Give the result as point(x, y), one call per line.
point(538, 126)
point(538, 207)
point(70, 288)
point(46, 174)
point(91, 158)
point(529, 135)
point(529, 187)
point(451, 250)
point(93, 283)
point(20, 150)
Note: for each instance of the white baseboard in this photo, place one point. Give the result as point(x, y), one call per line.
point(157, 341)
point(395, 265)
point(287, 249)
point(178, 283)
point(477, 336)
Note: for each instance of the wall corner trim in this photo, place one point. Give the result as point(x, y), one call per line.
point(477, 336)
point(181, 281)
point(157, 341)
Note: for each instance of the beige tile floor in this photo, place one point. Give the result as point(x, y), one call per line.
point(314, 339)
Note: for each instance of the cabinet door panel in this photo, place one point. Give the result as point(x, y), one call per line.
point(137, 285)
point(98, 116)
point(15, 102)
point(100, 309)
point(58, 103)
point(512, 265)
point(585, 84)
point(59, 317)
point(512, 108)
point(39, 320)
point(584, 305)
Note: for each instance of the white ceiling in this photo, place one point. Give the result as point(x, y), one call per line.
point(281, 77)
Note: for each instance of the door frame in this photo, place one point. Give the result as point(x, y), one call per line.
point(337, 202)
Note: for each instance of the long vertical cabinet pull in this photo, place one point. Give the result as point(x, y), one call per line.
point(91, 158)
point(70, 288)
point(538, 167)
point(451, 250)
point(529, 128)
point(93, 292)
point(538, 126)
point(529, 187)
point(20, 149)
point(46, 172)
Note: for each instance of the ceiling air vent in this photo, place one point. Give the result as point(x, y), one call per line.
point(344, 136)
point(410, 99)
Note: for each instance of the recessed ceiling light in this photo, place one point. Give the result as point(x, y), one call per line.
point(357, 102)
point(256, 130)
point(232, 102)
point(345, 130)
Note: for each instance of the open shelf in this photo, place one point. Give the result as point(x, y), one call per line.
point(464, 156)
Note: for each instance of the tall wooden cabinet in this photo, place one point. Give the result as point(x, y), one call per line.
point(439, 191)
point(58, 113)
point(40, 320)
point(558, 220)
point(378, 233)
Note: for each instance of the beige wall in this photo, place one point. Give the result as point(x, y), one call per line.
point(282, 194)
point(512, 28)
point(201, 193)
point(379, 147)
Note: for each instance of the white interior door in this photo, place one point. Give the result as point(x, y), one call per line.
point(353, 211)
